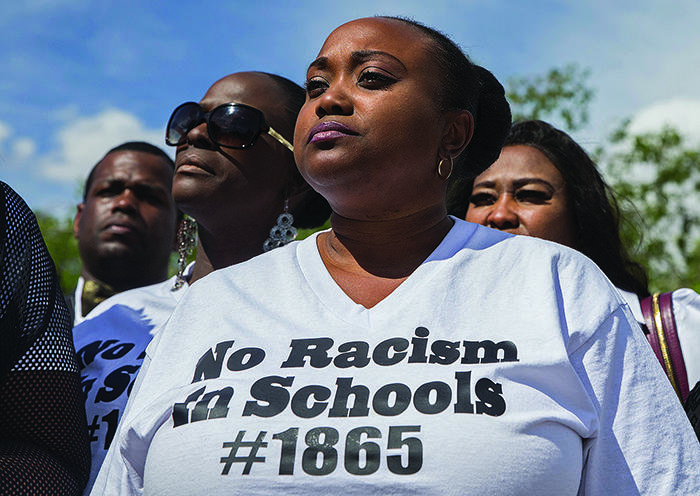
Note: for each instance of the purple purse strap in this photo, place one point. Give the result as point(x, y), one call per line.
point(674, 346)
point(663, 338)
point(651, 334)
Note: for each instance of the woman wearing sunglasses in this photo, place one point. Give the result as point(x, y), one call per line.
point(403, 351)
point(235, 176)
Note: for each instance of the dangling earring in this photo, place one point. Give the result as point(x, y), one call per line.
point(283, 232)
point(186, 240)
point(440, 173)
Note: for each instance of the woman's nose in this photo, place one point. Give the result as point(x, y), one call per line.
point(334, 101)
point(503, 215)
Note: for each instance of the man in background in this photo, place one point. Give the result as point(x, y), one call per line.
point(125, 225)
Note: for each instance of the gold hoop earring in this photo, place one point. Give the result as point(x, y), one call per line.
point(440, 174)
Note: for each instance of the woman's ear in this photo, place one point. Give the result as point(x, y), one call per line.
point(459, 129)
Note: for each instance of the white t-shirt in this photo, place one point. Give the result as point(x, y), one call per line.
point(483, 373)
point(686, 312)
point(110, 344)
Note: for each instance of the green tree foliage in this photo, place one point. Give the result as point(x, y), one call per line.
point(305, 233)
point(63, 247)
point(562, 94)
point(657, 176)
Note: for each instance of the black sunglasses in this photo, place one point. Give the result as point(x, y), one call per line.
point(231, 125)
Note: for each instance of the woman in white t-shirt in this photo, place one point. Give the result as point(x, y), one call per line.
point(545, 185)
point(402, 351)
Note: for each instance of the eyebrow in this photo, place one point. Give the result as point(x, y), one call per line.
point(358, 57)
point(140, 186)
point(362, 55)
point(319, 63)
point(517, 183)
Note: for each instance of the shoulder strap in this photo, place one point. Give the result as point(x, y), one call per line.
point(674, 346)
point(663, 338)
point(650, 331)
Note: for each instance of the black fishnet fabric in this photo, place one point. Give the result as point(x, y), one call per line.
point(43, 440)
point(692, 408)
point(41, 451)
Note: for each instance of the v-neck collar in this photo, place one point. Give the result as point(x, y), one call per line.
point(340, 304)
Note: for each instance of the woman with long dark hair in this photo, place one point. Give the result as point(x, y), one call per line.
point(545, 185)
point(591, 223)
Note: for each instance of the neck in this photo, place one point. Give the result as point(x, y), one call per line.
point(216, 252)
point(119, 284)
point(385, 248)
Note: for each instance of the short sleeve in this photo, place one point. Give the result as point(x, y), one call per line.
point(639, 417)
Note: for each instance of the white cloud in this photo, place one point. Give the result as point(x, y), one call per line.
point(23, 149)
point(84, 140)
point(5, 131)
point(14, 152)
point(682, 114)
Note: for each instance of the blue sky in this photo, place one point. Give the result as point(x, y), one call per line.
point(79, 77)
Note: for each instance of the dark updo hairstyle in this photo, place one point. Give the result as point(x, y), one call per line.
point(595, 209)
point(467, 86)
point(313, 209)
